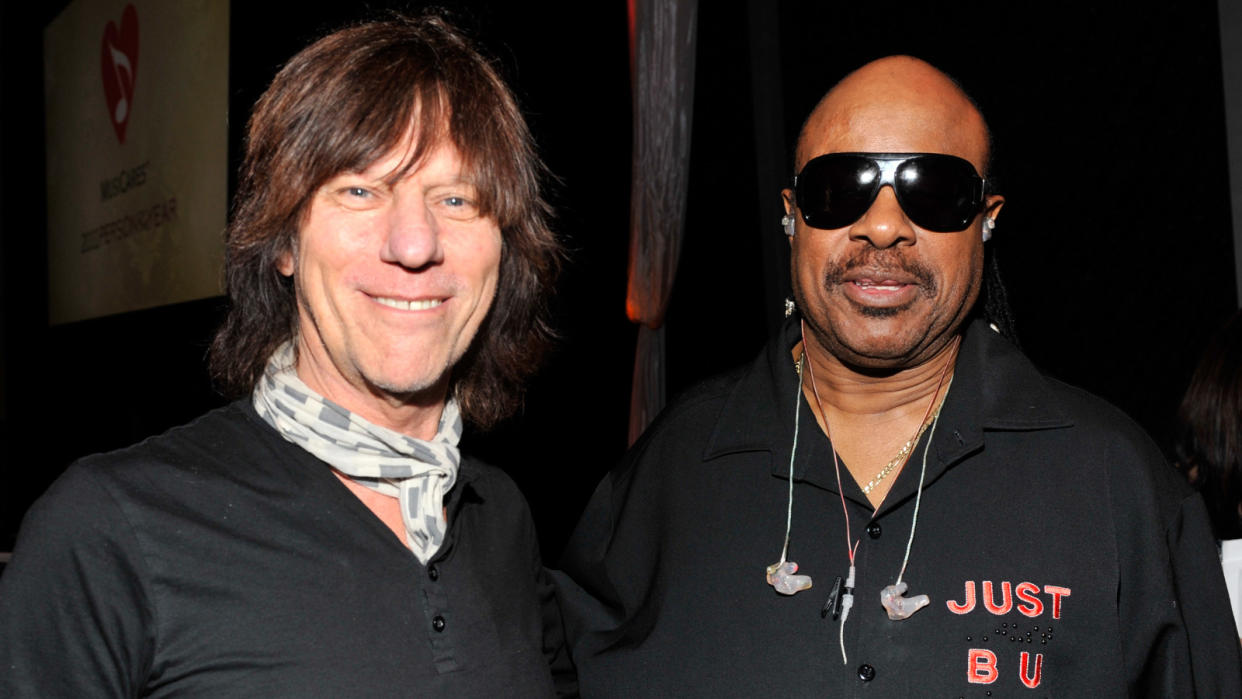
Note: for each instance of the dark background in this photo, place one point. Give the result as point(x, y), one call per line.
point(1110, 148)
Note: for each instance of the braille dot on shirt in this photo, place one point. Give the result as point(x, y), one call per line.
point(866, 673)
point(989, 693)
point(1028, 639)
point(1043, 642)
point(1005, 625)
point(968, 638)
point(438, 623)
point(997, 631)
point(985, 638)
point(1036, 628)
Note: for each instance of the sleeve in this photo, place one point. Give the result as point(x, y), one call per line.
point(1213, 648)
point(555, 648)
point(75, 616)
point(1179, 639)
point(608, 568)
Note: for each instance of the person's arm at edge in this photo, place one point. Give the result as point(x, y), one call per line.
point(1215, 661)
point(76, 618)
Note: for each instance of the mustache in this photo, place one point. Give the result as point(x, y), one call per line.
point(881, 264)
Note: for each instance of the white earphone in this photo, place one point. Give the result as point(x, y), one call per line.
point(988, 224)
point(788, 222)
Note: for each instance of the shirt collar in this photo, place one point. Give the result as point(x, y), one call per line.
point(466, 488)
point(995, 388)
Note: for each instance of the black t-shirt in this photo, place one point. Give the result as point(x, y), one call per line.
point(218, 559)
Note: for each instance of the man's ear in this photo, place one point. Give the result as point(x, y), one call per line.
point(284, 263)
point(787, 199)
point(992, 206)
point(788, 222)
point(991, 210)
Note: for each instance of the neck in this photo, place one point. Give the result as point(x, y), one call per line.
point(416, 415)
point(870, 416)
point(848, 392)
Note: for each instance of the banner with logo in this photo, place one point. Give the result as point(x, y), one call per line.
point(137, 138)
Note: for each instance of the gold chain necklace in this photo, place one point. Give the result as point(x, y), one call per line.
point(905, 451)
point(900, 459)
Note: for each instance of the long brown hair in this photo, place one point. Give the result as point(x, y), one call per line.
point(1209, 441)
point(338, 106)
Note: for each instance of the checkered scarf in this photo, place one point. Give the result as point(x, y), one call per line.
point(416, 472)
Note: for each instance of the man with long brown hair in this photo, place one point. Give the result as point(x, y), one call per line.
point(388, 264)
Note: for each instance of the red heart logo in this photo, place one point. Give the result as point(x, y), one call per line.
point(120, 66)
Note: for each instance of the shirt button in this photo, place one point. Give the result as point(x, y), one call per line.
point(866, 673)
point(438, 624)
point(873, 530)
point(433, 572)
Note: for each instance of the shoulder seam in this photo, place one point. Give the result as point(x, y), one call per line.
point(146, 585)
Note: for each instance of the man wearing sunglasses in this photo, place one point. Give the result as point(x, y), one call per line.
point(891, 500)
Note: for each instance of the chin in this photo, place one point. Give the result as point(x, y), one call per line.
point(876, 358)
point(873, 348)
point(408, 381)
point(405, 386)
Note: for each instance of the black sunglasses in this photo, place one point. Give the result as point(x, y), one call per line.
point(940, 193)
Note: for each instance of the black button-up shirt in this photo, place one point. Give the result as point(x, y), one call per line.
point(1061, 554)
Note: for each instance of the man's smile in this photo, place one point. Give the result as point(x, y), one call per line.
point(408, 305)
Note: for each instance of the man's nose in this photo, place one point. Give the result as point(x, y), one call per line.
point(884, 224)
point(412, 238)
